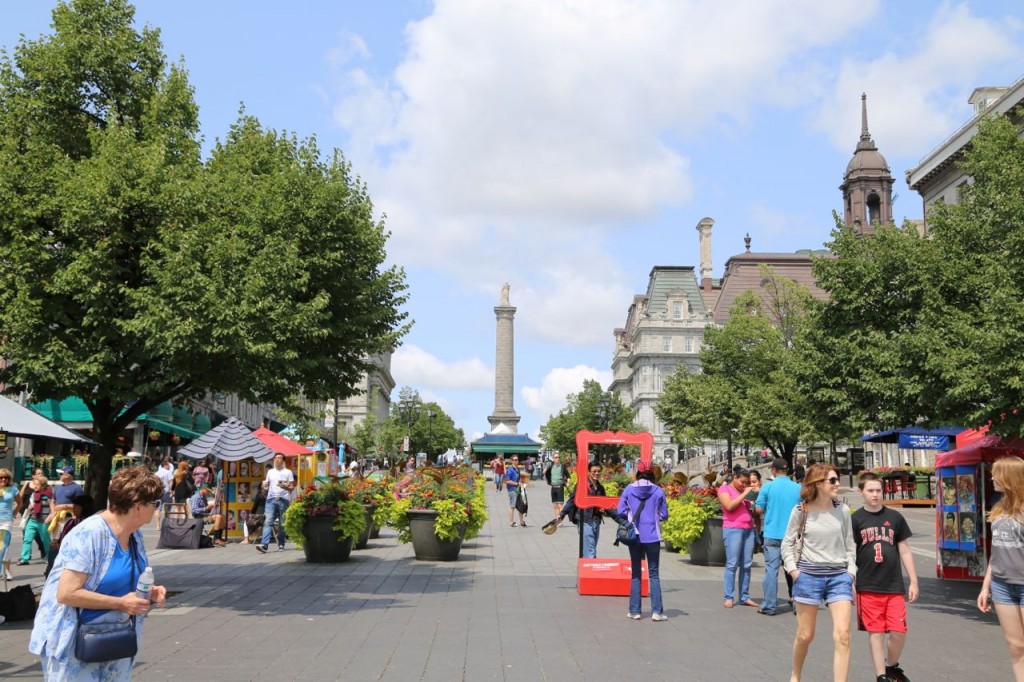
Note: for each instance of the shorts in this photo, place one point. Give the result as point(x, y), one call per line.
point(881, 612)
point(1007, 593)
point(513, 493)
point(557, 494)
point(815, 589)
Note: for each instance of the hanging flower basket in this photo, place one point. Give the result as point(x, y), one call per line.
point(175, 439)
point(154, 435)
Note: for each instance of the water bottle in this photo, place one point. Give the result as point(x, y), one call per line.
point(145, 586)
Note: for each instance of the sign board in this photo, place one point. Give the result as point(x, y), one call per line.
point(923, 441)
point(3, 439)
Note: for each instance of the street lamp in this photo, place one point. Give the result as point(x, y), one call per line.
point(408, 410)
point(729, 451)
point(430, 431)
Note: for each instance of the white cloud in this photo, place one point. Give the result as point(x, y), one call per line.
point(549, 398)
point(513, 124)
point(413, 366)
point(917, 98)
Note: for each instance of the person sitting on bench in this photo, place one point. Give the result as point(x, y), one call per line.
point(202, 509)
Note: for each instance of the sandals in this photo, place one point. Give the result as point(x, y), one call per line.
point(513, 524)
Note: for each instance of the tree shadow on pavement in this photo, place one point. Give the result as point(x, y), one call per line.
point(951, 597)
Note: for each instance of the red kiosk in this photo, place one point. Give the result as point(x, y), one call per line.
point(965, 494)
point(608, 577)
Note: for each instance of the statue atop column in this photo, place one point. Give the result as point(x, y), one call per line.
point(504, 295)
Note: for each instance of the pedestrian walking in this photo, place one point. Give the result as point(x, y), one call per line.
point(183, 485)
point(1004, 578)
point(9, 507)
point(643, 502)
point(23, 498)
point(513, 480)
point(819, 552)
point(280, 484)
point(775, 504)
point(499, 472)
point(94, 579)
point(38, 505)
point(881, 536)
point(556, 475)
point(737, 498)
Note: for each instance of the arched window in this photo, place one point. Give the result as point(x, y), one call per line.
point(874, 209)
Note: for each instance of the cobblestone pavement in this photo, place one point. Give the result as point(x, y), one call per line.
point(507, 610)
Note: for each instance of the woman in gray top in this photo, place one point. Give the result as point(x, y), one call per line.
point(1004, 579)
point(819, 552)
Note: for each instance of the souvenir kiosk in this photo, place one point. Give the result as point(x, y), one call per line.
point(609, 577)
point(964, 497)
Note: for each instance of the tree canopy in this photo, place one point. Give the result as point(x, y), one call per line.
point(592, 409)
point(135, 271)
point(411, 416)
point(930, 329)
point(747, 389)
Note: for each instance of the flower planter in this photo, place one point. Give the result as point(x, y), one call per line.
point(374, 531)
point(323, 543)
point(709, 548)
point(669, 547)
point(364, 538)
point(425, 543)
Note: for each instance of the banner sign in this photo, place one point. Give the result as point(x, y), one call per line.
point(923, 441)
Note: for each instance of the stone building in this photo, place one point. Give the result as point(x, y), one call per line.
point(938, 178)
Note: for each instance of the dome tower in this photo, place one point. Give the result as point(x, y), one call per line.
point(867, 184)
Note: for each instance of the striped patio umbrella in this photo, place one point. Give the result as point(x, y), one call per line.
point(230, 441)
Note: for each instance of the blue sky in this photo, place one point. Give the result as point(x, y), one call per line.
point(568, 146)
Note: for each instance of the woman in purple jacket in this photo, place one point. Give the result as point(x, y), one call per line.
point(648, 527)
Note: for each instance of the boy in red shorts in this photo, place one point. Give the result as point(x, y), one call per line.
point(881, 535)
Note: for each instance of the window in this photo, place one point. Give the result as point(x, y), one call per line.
point(689, 344)
point(666, 344)
point(677, 310)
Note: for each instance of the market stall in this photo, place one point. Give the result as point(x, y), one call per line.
point(965, 495)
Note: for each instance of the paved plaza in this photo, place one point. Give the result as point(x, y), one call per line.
point(507, 610)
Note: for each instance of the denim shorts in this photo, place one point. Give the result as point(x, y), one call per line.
point(815, 589)
point(513, 493)
point(1007, 593)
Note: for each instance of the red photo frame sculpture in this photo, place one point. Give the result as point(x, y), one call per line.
point(584, 439)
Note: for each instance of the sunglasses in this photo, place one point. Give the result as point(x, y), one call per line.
point(833, 480)
point(155, 504)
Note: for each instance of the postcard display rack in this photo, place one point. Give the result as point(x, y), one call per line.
point(242, 482)
point(962, 533)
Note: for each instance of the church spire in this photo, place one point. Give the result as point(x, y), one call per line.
point(865, 137)
point(867, 183)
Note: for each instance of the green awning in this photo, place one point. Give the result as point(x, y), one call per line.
point(167, 427)
point(67, 410)
point(507, 449)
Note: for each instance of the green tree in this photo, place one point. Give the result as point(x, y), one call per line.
point(929, 330)
point(747, 389)
point(136, 272)
point(592, 409)
point(432, 435)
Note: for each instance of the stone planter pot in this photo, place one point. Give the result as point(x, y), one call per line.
point(374, 531)
point(709, 548)
point(323, 543)
point(364, 538)
point(669, 547)
point(425, 543)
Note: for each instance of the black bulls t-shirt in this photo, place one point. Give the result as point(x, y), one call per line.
point(877, 535)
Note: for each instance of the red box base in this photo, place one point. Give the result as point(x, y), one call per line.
point(609, 577)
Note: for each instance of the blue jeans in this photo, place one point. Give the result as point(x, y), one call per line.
point(275, 513)
point(591, 533)
point(498, 480)
point(637, 553)
point(772, 563)
point(739, 554)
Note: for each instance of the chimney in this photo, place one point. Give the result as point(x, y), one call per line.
point(704, 230)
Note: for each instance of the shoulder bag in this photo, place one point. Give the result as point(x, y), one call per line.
point(800, 532)
point(99, 642)
point(626, 533)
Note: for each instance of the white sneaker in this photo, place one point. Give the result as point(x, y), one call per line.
point(634, 616)
point(8, 575)
point(658, 617)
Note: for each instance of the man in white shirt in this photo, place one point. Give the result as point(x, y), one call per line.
point(165, 472)
point(280, 484)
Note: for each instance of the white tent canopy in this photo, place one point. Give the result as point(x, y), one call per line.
point(23, 422)
point(230, 441)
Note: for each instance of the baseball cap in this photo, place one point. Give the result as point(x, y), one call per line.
point(68, 470)
point(780, 464)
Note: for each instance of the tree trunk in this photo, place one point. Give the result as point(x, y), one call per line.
point(97, 480)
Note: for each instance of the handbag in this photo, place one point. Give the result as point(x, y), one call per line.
point(99, 642)
point(800, 532)
point(626, 533)
point(25, 515)
point(522, 504)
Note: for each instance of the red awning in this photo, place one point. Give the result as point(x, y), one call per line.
point(279, 443)
point(983, 449)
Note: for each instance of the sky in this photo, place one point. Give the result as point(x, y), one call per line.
point(569, 146)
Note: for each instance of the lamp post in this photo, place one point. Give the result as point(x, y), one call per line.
point(407, 409)
point(729, 451)
point(430, 431)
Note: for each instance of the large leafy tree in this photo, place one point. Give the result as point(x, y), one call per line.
point(931, 329)
point(747, 388)
point(430, 434)
point(592, 409)
point(135, 271)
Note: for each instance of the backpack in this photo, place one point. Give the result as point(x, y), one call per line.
point(626, 533)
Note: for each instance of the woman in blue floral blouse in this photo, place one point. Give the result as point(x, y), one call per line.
point(94, 573)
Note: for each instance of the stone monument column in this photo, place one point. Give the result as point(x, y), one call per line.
point(504, 366)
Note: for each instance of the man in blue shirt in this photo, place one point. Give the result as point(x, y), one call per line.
point(775, 502)
point(66, 491)
point(512, 482)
